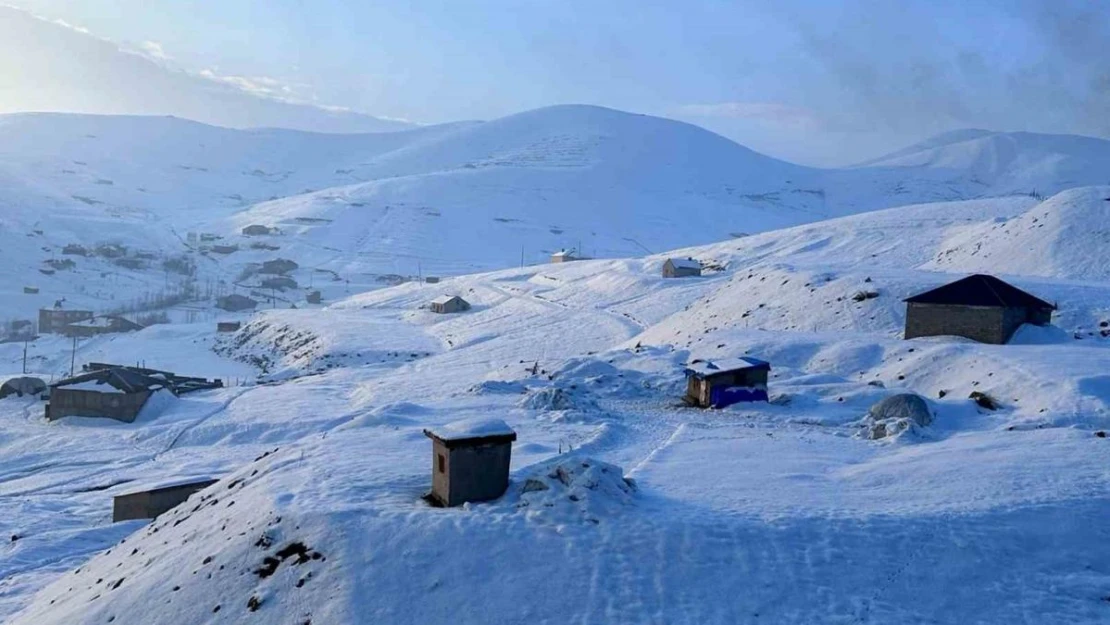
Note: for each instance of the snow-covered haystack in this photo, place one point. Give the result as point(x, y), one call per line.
point(1066, 236)
point(895, 415)
point(574, 489)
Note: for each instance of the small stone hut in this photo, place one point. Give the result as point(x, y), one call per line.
point(979, 307)
point(681, 268)
point(228, 326)
point(278, 267)
point(566, 256)
point(148, 504)
point(54, 320)
point(716, 384)
point(255, 230)
point(470, 461)
point(235, 303)
point(449, 304)
point(313, 297)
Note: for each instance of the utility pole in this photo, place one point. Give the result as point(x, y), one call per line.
point(25, 356)
point(73, 356)
point(522, 257)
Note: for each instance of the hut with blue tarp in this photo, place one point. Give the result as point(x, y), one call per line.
point(720, 383)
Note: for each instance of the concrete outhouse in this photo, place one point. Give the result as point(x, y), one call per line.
point(470, 461)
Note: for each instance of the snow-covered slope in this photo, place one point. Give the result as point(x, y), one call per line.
point(728, 514)
point(1064, 236)
point(62, 68)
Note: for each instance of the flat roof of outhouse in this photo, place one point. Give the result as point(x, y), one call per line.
point(472, 432)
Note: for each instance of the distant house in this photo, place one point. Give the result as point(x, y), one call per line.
point(566, 256)
point(979, 307)
point(30, 290)
point(313, 297)
point(148, 504)
point(431, 280)
point(279, 283)
point(235, 303)
point(108, 324)
point(681, 268)
point(470, 461)
point(255, 230)
point(278, 267)
point(54, 320)
point(228, 326)
point(116, 392)
point(449, 304)
point(225, 249)
point(716, 384)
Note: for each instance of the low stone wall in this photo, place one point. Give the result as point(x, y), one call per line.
point(151, 503)
point(80, 403)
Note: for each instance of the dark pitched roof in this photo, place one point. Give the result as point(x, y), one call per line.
point(137, 379)
point(980, 290)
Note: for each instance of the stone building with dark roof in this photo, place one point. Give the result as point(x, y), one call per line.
point(979, 307)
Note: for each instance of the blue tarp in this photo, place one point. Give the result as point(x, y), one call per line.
point(721, 396)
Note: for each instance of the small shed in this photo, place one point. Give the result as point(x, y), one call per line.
point(681, 268)
point(449, 304)
point(225, 249)
point(30, 290)
point(432, 280)
point(235, 303)
point(979, 307)
point(716, 384)
point(148, 504)
point(470, 461)
point(228, 326)
point(255, 230)
point(566, 256)
point(313, 297)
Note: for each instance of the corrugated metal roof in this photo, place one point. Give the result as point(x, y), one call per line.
point(685, 263)
point(979, 290)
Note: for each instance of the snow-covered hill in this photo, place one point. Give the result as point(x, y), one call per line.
point(1006, 162)
point(774, 512)
point(63, 68)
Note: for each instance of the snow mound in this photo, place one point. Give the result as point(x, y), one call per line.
point(556, 398)
point(574, 489)
point(1066, 236)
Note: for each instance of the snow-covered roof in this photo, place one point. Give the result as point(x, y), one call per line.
point(443, 299)
point(466, 429)
point(145, 486)
point(713, 367)
point(685, 263)
point(564, 253)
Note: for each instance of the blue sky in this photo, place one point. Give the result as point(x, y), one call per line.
point(823, 82)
